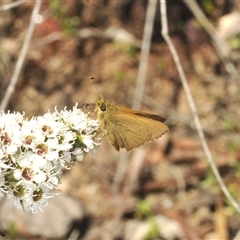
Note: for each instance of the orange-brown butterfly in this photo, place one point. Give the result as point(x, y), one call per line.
point(127, 128)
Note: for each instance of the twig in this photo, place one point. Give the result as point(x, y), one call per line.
point(220, 45)
point(142, 70)
point(121, 171)
point(180, 181)
point(192, 105)
point(12, 5)
point(22, 55)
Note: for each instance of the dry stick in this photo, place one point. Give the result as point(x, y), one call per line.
point(142, 70)
point(220, 45)
point(146, 43)
point(22, 55)
point(12, 5)
point(192, 105)
point(121, 170)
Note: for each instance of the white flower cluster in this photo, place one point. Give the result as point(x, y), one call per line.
point(33, 153)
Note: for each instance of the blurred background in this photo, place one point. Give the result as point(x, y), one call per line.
point(164, 189)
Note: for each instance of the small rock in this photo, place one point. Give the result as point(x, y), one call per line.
point(56, 221)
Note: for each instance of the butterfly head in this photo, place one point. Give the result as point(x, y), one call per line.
point(102, 105)
point(104, 108)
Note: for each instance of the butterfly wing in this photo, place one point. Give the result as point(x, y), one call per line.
point(126, 130)
point(143, 114)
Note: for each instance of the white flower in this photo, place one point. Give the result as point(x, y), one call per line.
point(40, 177)
point(78, 153)
point(17, 174)
point(34, 153)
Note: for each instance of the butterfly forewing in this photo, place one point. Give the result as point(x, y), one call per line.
point(143, 114)
point(131, 131)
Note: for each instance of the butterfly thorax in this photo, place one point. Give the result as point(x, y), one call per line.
point(105, 110)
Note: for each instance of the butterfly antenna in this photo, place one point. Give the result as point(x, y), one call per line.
point(91, 80)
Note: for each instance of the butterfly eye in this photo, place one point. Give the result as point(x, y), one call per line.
point(103, 107)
